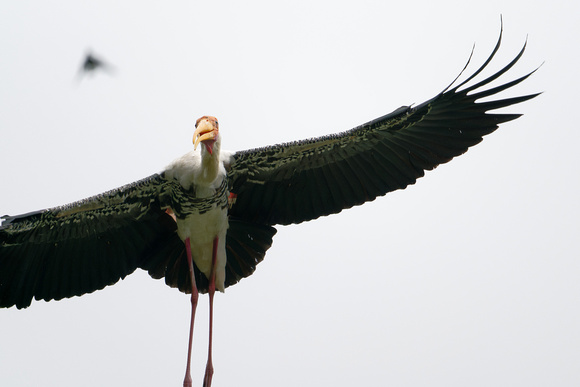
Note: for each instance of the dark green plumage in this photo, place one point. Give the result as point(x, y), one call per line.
point(87, 245)
point(300, 181)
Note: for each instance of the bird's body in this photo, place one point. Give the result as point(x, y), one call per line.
point(92, 64)
point(203, 174)
point(202, 229)
point(206, 221)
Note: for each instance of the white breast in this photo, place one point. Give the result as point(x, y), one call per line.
point(201, 229)
point(195, 175)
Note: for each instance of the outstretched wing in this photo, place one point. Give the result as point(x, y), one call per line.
point(299, 181)
point(84, 246)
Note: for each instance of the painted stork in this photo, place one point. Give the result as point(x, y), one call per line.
point(206, 221)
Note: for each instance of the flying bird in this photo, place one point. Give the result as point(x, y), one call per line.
point(91, 64)
point(207, 220)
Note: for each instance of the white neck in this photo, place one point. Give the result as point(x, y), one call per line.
point(210, 166)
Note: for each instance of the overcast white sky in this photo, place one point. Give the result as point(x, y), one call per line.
point(470, 277)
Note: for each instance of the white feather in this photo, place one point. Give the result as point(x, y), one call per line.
point(203, 172)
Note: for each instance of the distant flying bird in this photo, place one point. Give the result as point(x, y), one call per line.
point(206, 221)
point(91, 64)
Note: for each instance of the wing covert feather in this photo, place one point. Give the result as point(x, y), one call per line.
point(81, 247)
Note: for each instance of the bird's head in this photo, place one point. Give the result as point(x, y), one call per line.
point(206, 132)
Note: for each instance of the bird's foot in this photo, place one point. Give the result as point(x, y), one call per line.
point(187, 381)
point(208, 374)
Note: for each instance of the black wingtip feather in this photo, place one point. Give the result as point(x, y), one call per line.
point(382, 155)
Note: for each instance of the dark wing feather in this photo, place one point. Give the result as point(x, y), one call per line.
point(300, 181)
point(82, 247)
point(79, 248)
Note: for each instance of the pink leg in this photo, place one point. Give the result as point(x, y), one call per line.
point(194, 297)
point(211, 290)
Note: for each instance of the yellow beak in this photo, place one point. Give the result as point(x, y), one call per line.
point(203, 132)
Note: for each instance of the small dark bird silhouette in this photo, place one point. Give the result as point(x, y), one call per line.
point(92, 64)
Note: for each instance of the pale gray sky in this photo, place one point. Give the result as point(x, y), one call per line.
point(470, 277)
